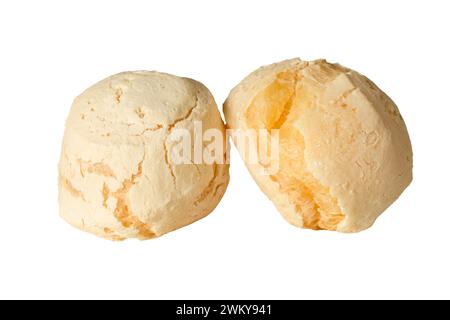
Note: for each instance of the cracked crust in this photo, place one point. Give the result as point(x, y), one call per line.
point(118, 180)
point(345, 154)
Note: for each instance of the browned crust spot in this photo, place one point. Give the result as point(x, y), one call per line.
point(98, 168)
point(105, 194)
point(110, 235)
point(122, 211)
point(66, 184)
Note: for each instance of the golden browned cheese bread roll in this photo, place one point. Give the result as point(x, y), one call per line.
point(344, 154)
point(117, 178)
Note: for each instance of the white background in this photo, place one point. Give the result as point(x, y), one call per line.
point(50, 51)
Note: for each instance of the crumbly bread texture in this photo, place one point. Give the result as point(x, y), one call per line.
point(116, 176)
point(345, 154)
